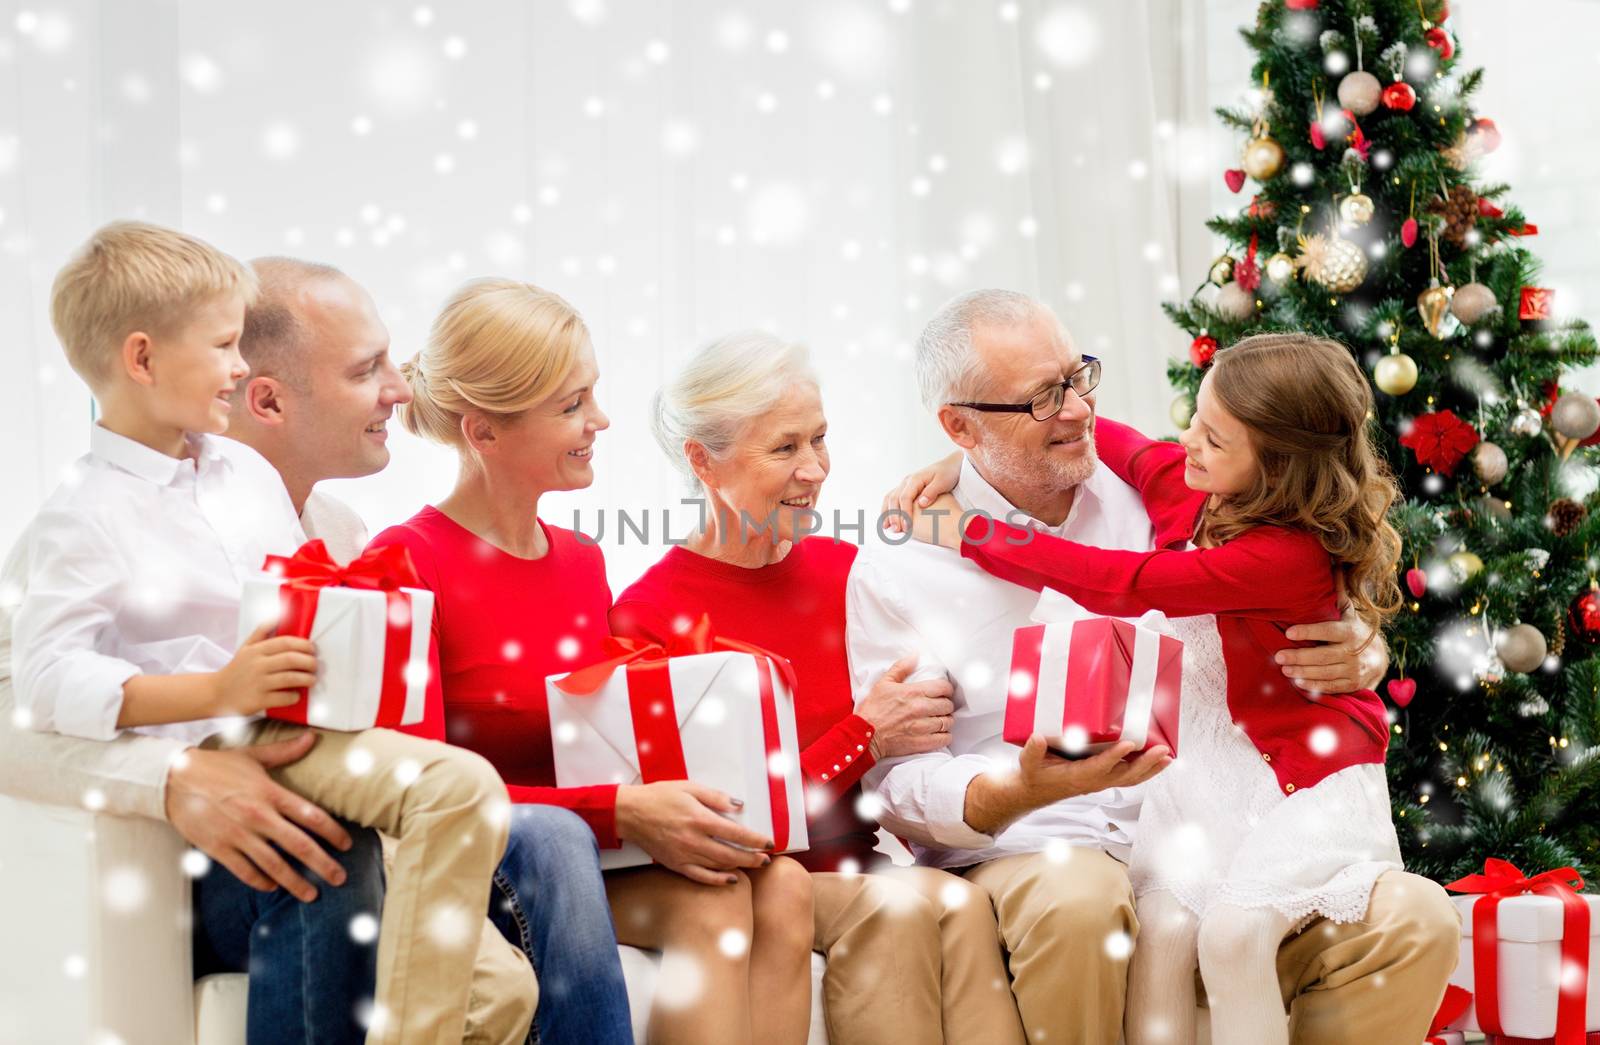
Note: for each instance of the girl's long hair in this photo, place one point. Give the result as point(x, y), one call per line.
point(1308, 408)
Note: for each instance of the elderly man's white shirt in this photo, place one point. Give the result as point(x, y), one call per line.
point(916, 598)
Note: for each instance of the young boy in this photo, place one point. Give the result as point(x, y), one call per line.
point(132, 574)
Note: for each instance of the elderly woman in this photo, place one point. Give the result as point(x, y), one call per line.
point(913, 952)
point(507, 379)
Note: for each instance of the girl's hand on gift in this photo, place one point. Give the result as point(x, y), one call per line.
point(918, 490)
point(267, 672)
point(939, 523)
point(907, 718)
point(680, 824)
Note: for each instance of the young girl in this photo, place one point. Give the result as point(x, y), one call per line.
point(1276, 809)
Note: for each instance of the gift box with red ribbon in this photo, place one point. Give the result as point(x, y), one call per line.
point(703, 707)
point(1528, 955)
point(1085, 683)
point(371, 623)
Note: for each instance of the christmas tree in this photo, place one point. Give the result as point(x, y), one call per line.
point(1362, 219)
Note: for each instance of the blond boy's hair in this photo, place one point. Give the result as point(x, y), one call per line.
point(132, 276)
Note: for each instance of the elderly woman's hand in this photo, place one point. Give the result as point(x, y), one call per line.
point(679, 823)
point(918, 490)
point(908, 718)
point(939, 523)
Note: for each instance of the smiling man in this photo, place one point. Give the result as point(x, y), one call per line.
point(1044, 838)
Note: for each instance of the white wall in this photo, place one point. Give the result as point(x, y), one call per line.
point(679, 169)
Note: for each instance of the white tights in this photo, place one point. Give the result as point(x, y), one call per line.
point(1236, 950)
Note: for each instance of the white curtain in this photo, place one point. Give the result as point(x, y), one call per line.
point(832, 170)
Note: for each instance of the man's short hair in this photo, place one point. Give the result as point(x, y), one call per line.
point(946, 363)
point(131, 276)
point(273, 332)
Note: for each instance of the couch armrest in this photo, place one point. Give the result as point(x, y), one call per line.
point(96, 919)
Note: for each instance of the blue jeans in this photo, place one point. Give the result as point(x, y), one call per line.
point(548, 898)
point(308, 977)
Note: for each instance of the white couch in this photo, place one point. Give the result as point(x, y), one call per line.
point(95, 939)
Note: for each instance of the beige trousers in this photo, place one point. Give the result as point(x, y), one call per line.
point(1066, 925)
point(447, 810)
point(913, 956)
point(504, 994)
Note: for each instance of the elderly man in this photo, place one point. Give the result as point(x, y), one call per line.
point(1046, 845)
point(316, 405)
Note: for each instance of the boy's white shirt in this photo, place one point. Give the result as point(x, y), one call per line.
point(134, 565)
point(126, 776)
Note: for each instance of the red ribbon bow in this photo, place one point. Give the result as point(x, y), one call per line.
point(386, 569)
point(1501, 879)
point(656, 738)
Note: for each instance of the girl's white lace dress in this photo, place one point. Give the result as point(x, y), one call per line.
point(1217, 829)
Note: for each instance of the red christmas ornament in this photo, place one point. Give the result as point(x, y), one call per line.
point(1440, 41)
point(1260, 208)
point(1486, 132)
point(1536, 303)
point(1584, 616)
point(1417, 580)
point(1408, 232)
point(1402, 691)
point(1300, 5)
point(1487, 209)
point(1235, 179)
point(1204, 347)
point(1318, 140)
point(1526, 230)
point(1440, 440)
point(1247, 272)
point(1399, 95)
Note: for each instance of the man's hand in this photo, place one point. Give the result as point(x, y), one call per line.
point(1345, 661)
point(225, 805)
point(994, 801)
point(907, 718)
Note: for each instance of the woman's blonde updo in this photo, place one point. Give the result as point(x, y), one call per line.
point(498, 347)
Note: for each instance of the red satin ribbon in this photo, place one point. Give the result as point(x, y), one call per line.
point(386, 569)
point(1456, 1000)
point(646, 667)
point(1499, 880)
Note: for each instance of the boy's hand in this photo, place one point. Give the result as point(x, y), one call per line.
point(265, 673)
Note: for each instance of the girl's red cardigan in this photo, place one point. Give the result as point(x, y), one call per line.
point(1257, 584)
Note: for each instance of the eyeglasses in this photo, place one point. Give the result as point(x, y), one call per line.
point(1047, 404)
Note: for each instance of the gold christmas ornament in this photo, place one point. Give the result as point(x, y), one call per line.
point(1263, 157)
point(1489, 462)
point(1181, 412)
point(1221, 270)
point(1356, 209)
point(1464, 566)
point(1395, 374)
point(1235, 303)
point(1521, 647)
point(1575, 416)
point(1335, 263)
point(1359, 92)
point(1433, 305)
point(1280, 268)
point(1472, 301)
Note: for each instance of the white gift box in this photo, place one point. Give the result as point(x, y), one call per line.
point(716, 716)
point(351, 633)
point(1530, 928)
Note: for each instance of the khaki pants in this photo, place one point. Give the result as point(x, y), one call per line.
point(504, 994)
point(1377, 980)
point(448, 812)
point(913, 956)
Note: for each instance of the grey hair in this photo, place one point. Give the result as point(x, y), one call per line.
point(726, 385)
point(946, 364)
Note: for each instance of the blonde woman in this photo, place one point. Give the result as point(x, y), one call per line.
point(508, 380)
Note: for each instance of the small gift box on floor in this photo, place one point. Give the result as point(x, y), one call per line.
point(371, 623)
point(1529, 955)
point(704, 708)
point(1085, 683)
point(1451, 1008)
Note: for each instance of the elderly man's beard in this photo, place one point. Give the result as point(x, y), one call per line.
point(1020, 472)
